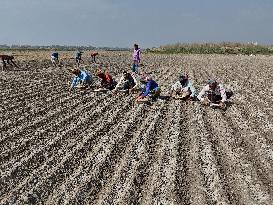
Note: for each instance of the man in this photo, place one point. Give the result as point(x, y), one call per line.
point(213, 92)
point(106, 80)
point(78, 57)
point(93, 56)
point(151, 90)
point(81, 80)
point(55, 58)
point(136, 58)
point(127, 82)
point(183, 89)
point(7, 59)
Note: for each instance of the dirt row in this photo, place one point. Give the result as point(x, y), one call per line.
point(79, 147)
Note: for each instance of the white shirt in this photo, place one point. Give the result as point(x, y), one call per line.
point(220, 90)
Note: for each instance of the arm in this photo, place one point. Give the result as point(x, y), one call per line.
point(176, 86)
point(136, 83)
point(84, 76)
point(202, 93)
point(74, 82)
point(223, 93)
point(192, 89)
point(147, 90)
point(119, 83)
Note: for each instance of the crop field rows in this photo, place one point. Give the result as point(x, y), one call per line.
point(80, 147)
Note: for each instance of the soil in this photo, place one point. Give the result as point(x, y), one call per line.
point(81, 147)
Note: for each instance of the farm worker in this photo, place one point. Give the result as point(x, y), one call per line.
point(106, 80)
point(7, 59)
point(55, 58)
point(136, 58)
point(127, 82)
point(93, 56)
point(78, 57)
point(213, 92)
point(183, 88)
point(151, 89)
point(82, 78)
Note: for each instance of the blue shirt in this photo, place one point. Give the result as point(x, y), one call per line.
point(150, 85)
point(83, 76)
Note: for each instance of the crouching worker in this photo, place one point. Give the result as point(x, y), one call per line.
point(151, 90)
point(127, 83)
point(81, 80)
point(78, 57)
point(106, 80)
point(55, 58)
point(183, 89)
point(213, 94)
point(7, 59)
point(93, 56)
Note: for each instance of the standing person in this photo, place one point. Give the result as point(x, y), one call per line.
point(93, 56)
point(78, 57)
point(82, 79)
point(55, 58)
point(127, 83)
point(136, 58)
point(7, 59)
point(183, 89)
point(213, 92)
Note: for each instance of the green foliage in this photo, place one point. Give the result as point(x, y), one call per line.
point(211, 48)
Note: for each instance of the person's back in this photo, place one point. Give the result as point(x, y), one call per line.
point(78, 54)
point(82, 77)
point(55, 54)
point(131, 80)
point(150, 85)
point(6, 57)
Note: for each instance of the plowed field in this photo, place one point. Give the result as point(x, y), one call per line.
point(79, 147)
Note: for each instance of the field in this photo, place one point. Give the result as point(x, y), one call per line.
point(79, 147)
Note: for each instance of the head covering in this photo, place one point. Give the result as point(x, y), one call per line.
point(99, 72)
point(75, 71)
point(183, 79)
point(210, 82)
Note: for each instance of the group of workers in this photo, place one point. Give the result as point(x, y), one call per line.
point(77, 57)
point(213, 93)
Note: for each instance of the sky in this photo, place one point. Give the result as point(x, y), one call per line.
point(121, 23)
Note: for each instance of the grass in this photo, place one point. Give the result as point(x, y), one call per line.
point(211, 48)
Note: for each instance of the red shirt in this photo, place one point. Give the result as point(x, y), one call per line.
point(94, 54)
point(6, 57)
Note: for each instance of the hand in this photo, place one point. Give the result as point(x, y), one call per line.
point(205, 102)
point(190, 98)
point(222, 105)
point(139, 98)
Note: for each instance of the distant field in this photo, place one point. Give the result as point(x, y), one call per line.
point(79, 147)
